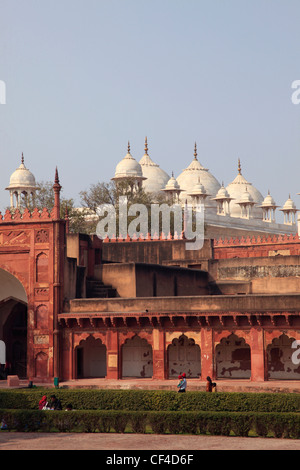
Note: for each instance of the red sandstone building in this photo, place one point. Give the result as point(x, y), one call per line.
point(73, 306)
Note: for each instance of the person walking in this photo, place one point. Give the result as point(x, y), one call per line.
point(182, 383)
point(208, 384)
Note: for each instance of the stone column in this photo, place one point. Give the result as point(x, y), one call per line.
point(113, 360)
point(258, 373)
point(207, 354)
point(158, 349)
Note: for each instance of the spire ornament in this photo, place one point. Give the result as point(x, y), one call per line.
point(195, 151)
point(239, 167)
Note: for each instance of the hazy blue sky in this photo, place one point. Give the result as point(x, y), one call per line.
point(84, 77)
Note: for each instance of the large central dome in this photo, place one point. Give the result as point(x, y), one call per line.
point(194, 174)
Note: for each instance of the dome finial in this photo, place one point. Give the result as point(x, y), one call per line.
point(128, 147)
point(239, 167)
point(22, 159)
point(195, 151)
point(146, 146)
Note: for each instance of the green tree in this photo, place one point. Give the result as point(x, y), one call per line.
point(44, 198)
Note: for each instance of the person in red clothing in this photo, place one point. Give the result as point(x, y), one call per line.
point(182, 383)
point(43, 403)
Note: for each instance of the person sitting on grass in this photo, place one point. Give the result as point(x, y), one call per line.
point(55, 403)
point(43, 403)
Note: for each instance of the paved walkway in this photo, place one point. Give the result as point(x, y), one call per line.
point(282, 386)
point(136, 442)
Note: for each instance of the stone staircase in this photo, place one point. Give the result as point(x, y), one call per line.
point(97, 290)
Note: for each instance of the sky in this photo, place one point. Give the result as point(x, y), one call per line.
point(84, 77)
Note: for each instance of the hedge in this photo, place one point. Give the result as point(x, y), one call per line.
point(159, 422)
point(148, 400)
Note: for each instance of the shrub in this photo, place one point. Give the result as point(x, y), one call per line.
point(148, 400)
point(138, 422)
point(241, 423)
point(219, 423)
point(174, 422)
point(120, 421)
point(158, 422)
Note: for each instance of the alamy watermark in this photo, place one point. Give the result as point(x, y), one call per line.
point(2, 92)
point(161, 218)
point(296, 354)
point(296, 95)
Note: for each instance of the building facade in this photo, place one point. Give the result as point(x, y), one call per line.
point(73, 306)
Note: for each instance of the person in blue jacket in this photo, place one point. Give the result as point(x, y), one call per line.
point(182, 383)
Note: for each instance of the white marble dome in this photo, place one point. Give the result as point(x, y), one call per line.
point(268, 201)
point(172, 184)
point(156, 178)
point(222, 193)
point(198, 189)
point(128, 167)
point(22, 178)
point(236, 191)
point(289, 204)
point(246, 197)
point(189, 178)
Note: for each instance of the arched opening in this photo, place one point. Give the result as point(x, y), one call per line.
point(137, 358)
point(184, 355)
point(282, 360)
point(90, 359)
point(233, 358)
point(13, 326)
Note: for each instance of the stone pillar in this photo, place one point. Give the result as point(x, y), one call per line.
point(158, 349)
point(257, 355)
point(113, 359)
point(207, 354)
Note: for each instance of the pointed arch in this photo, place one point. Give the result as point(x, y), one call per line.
point(137, 358)
point(91, 361)
point(233, 358)
point(282, 363)
point(184, 355)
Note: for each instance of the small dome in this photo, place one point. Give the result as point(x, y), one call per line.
point(128, 168)
point(198, 189)
point(289, 204)
point(156, 177)
point(236, 190)
point(246, 197)
point(22, 178)
point(222, 193)
point(268, 201)
point(172, 184)
point(189, 178)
